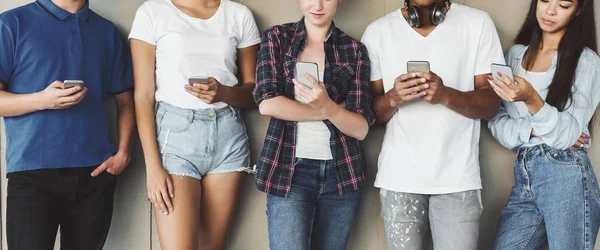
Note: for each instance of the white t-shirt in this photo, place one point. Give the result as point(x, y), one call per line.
point(188, 46)
point(312, 141)
point(430, 149)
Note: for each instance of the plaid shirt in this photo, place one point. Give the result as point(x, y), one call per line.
point(346, 79)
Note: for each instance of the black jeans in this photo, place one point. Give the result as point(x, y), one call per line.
point(41, 200)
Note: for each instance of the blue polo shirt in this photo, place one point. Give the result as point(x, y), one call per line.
point(41, 43)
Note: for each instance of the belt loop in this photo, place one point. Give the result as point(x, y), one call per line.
point(190, 115)
point(234, 112)
point(542, 149)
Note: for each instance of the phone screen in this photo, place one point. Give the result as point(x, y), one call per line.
point(306, 67)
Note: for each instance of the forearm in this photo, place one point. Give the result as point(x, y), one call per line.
point(126, 121)
point(478, 104)
point(144, 111)
point(18, 104)
point(349, 123)
point(384, 109)
point(240, 97)
point(283, 108)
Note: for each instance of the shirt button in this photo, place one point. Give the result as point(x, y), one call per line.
point(211, 115)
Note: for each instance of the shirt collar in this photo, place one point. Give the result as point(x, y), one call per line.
point(61, 14)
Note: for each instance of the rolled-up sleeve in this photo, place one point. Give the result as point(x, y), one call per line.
point(269, 70)
point(360, 94)
point(511, 133)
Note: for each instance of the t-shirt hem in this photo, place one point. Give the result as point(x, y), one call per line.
point(248, 44)
point(433, 191)
point(142, 39)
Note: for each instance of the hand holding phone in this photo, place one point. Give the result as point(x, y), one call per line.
point(306, 67)
point(506, 70)
point(198, 79)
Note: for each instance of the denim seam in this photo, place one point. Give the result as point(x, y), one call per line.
point(564, 163)
point(189, 121)
point(162, 151)
point(595, 184)
point(586, 217)
point(532, 233)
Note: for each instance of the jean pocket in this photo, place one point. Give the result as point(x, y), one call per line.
point(564, 157)
point(175, 123)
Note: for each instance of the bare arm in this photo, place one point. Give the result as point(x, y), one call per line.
point(126, 120)
point(241, 96)
point(53, 97)
point(482, 103)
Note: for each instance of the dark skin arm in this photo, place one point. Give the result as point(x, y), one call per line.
point(240, 96)
point(482, 103)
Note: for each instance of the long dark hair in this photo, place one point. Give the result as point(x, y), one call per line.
point(580, 33)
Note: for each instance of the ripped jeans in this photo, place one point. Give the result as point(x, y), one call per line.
point(453, 219)
point(195, 143)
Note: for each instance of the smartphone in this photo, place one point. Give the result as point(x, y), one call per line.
point(198, 79)
point(67, 84)
point(504, 69)
point(417, 66)
point(306, 67)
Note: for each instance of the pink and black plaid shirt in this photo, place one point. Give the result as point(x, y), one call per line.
point(346, 79)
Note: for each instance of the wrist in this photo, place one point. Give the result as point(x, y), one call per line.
point(225, 93)
point(330, 109)
point(37, 100)
point(446, 99)
point(390, 101)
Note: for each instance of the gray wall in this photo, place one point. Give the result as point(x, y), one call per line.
point(132, 224)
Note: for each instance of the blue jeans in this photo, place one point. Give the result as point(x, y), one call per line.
point(313, 215)
point(555, 202)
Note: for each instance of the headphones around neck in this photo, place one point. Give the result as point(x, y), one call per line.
point(437, 14)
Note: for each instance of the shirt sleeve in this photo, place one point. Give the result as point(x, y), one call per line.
point(562, 129)
point(360, 94)
point(7, 55)
point(489, 49)
point(143, 25)
point(122, 73)
point(511, 133)
point(269, 72)
point(373, 51)
point(250, 34)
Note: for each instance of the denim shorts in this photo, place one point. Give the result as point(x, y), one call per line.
point(195, 143)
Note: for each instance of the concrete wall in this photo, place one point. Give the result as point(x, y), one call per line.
point(133, 225)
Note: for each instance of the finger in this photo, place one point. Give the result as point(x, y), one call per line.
point(100, 169)
point(73, 98)
point(69, 91)
point(427, 76)
point(161, 203)
point(501, 93)
point(405, 77)
point(300, 85)
point(502, 85)
point(509, 83)
point(412, 83)
point(312, 80)
point(170, 187)
point(415, 96)
point(167, 199)
point(415, 89)
point(303, 95)
point(154, 202)
point(584, 135)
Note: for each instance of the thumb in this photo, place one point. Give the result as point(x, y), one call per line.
point(56, 84)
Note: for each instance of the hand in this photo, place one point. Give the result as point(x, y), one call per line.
point(55, 97)
point(317, 97)
point(581, 142)
point(113, 165)
point(512, 91)
point(160, 189)
point(407, 87)
point(210, 93)
point(437, 92)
